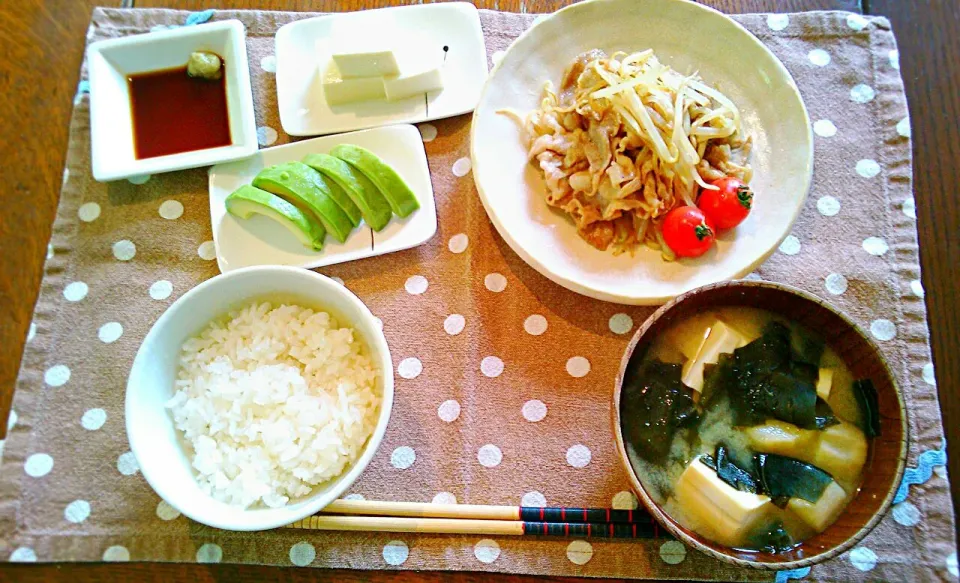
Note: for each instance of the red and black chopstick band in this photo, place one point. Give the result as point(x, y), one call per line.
point(584, 515)
point(594, 530)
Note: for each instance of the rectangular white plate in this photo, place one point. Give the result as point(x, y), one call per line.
point(303, 110)
point(260, 240)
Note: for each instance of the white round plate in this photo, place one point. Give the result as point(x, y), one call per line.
point(688, 37)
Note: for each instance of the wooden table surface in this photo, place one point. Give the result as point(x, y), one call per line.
point(42, 45)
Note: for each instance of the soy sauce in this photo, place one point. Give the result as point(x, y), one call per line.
point(174, 113)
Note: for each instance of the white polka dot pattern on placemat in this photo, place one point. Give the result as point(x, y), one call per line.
point(875, 246)
point(410, 368)
point(673, 552)
point(269, 63)
point(862, 93)
point(354, 497)
point(828, 206)
point(77, 511)
point(867, 168)
point(535, 325)
point(620, 323)
point(489, 456)
point(138, 180)
point(403, 457)
point(458, 243)
point(428, 132)
point(449, 411)
point(171, 209)
point(952, 565)
point(57, 375)
point(534, 410)
point(88, 212)
point(578, 456)
point(23, 555)
point(491, 366)
point(302, 554)
point(578, 366)
point(894, 57)
point(486, 550)
point(127, 464)
point(93, 419)
point(116, 554)
point(856, 22)
point(533, 499)
point(167, 512)
point(395, 552)
point(579, 552)
point(903, 127)
point(461, 167)
point(50, 251)
point(496, 57)
point(883, 329)
point(338, 280)
point(819, 57)
point(624, 500)
point(416, 285)
point(12, 419)
point(76, 291)
point(209, 553)
point(906, 514)
point(778, 21)
point(31, 331)
point(495, 282)
point(38, 465)
point(863, 558)
point(454, 324)
point(929, 374)
point(917, 288)
point(790, 245)
point(110, 332)
point(266, 136)
point(909, 208)
point(161, 290)
point(207, 251)
point(444, 498)
point(124, 250)
point(836, 284)
point(824, 128)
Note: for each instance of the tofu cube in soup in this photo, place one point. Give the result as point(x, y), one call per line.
point(821, 514)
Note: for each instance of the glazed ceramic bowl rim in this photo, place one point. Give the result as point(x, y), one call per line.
point(664, 518)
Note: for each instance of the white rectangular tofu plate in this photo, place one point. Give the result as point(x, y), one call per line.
point(305, 112)
point(261, 240)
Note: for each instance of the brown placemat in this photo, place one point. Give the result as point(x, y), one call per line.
point(504, 378)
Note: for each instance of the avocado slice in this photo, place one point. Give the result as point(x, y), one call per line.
point(300, 185)
point(398, 194)
point(248, 200)
point(373, 205)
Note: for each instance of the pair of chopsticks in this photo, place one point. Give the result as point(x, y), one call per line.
point(383, 516)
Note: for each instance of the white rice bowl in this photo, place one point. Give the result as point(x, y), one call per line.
point(273, 401)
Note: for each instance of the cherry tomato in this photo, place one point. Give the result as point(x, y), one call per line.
point(728, 206)
point(688, 232)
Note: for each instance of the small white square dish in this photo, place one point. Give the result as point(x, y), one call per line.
point(113, 63)
point(260, 240)
point(302, 45)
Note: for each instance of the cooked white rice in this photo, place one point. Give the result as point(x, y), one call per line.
point(274, 401)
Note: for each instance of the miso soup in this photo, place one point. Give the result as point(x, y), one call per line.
point(747, 428)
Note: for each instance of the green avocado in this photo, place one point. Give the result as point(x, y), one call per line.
point(248, 200)
point(398, 194)
point(373, 206)
point(305, 188)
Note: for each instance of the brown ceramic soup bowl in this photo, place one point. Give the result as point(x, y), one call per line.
point(887, 452)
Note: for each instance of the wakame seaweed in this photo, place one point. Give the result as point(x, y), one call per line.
point(825, 417)
point(771, 538)
point(805, 348)
point(866, 395)
point(728, 471)
point(785, 477)
point(655, 404)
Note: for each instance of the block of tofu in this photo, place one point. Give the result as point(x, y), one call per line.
point(721, 339)
point(688, 334)
point(783, 438)
point(420, 72)
point(338, 90)
point(842, 452)
point(363, 54)
point(822, 514)
point(825, 383)
point(725, 512)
